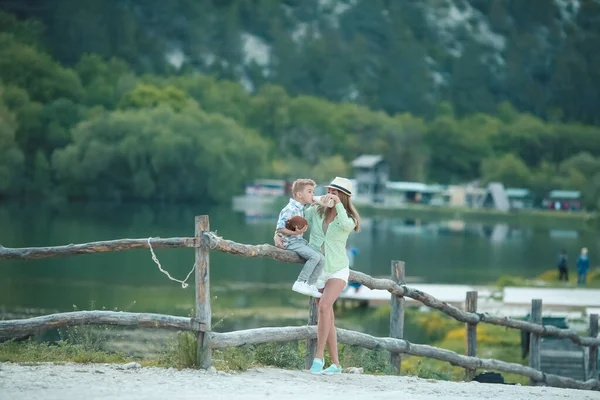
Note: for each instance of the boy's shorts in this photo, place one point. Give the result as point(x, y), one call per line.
point(342, 274)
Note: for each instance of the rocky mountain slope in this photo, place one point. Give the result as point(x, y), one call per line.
point(398, 56)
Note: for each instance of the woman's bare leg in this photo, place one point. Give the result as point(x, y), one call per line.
point(333, 288)
point(332, 342)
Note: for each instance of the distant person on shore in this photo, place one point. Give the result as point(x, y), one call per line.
point(563, 267)
point(583, 265)
point(351, 252)
point(302, 195)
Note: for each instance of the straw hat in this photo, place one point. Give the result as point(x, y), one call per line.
point(342, 184)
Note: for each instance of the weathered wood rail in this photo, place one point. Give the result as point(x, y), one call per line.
point(34, 253)
point(205, 240)
point(282, 334)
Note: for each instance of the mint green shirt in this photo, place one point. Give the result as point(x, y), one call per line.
point(334, 240)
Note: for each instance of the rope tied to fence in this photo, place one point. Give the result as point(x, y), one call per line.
point(212, 245)
point(155, 259)
point(213, 239)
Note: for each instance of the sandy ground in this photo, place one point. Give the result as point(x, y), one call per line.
point(102, 381)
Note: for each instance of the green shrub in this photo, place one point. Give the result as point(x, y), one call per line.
point(87, 336)
point(281, 355)
point(506, 280)
point(375, 361)
point(31, 351)
point(234, 358)
point(181, 352)
point(428, 369)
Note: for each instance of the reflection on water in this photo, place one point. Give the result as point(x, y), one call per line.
point(453, 250)
point(496, 233)
point(563, 234)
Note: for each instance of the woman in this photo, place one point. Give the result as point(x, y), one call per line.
point(330, 228)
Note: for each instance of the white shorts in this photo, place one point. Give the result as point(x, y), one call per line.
point(342, 274)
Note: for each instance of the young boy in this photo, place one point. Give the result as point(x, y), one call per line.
point(302, 194)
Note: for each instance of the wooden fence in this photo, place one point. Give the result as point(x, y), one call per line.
point(204, 241)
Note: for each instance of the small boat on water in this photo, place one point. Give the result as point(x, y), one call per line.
point(260, 194)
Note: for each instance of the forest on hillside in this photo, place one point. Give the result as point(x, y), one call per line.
point(391, 55)
point(91, 107)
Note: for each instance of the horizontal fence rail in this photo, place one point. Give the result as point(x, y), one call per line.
point(285, 334)
point(280, 334)
point(215, 242)
point(33, 253)
point(18, 328)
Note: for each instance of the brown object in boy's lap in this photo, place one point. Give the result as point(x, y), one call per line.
point(296, 222)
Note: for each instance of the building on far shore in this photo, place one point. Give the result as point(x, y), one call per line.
point(372, 186)
point(371, 174)
point(468, 195)
point(496, 196)
point(519, 198)
point(398, 193)
point(566, 200)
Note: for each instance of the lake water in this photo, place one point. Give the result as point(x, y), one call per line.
point(245, 292)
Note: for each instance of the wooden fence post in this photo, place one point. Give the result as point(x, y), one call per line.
point(397, 312)
point(471, 350)
point(311, 344)
point(534, 338)
point(593, 353)
point(203, 313)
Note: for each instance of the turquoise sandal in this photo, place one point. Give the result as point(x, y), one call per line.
point(317, 366)
point(332, 370)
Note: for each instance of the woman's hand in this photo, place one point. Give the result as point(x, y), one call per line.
point(330, 196)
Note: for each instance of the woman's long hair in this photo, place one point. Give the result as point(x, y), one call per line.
point(350, 210)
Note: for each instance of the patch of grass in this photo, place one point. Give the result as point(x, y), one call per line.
point(291, 355)
point(507, 280)
point(30, 351)
point(550, 279)
point(86, 336)
point(435, 324)
point(494, 342)
point(281, 355)
point(430, 369)
point(234, 358)
point(181, 352)
point(551, 276)
point(375, 361)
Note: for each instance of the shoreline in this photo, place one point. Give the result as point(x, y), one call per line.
point(537, 217)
